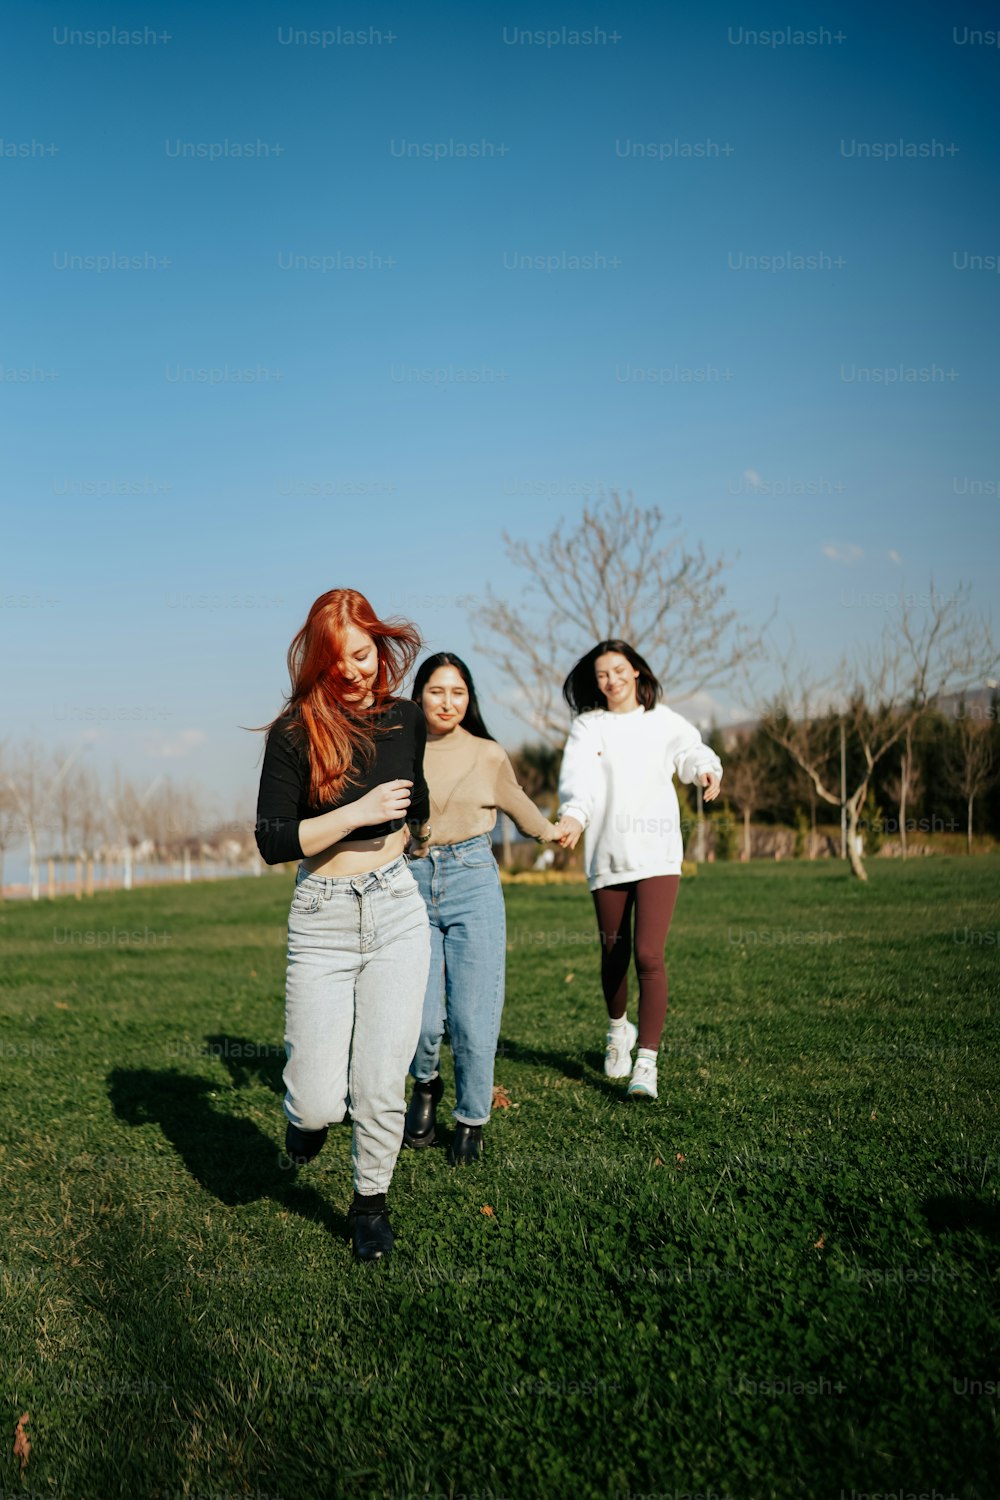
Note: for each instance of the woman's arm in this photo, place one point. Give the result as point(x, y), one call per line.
point(577, 775)
point(420, 805)
point(383, 804)
point(282, 836)
point(276, 829)
point(511, 798)
point(418, 817)
point(693, 760)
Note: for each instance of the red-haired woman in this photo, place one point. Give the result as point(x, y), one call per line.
point(616, 782)
point(341, 779)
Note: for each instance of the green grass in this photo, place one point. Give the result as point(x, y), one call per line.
point(780, 1280)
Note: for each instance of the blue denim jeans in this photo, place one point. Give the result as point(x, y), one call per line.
point(358, 951)
point(461, 885)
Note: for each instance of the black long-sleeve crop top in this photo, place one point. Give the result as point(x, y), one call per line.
point(283, 799)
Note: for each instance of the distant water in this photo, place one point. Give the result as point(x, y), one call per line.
point(16, 874)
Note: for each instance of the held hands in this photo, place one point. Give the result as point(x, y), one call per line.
point(711, 783)
point(567, 832)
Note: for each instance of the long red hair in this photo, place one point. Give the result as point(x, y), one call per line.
point(336, 731)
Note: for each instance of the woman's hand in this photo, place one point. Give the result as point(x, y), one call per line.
point(417, 846)
point(711, 783)
point(571, 831)
point(383, 804)
point(554, 833)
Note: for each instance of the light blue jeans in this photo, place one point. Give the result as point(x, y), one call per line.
point(461, 885)
point(358, 950)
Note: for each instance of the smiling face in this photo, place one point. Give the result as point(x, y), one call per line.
point(444, 700)
point(359, 666)
point(616, 679)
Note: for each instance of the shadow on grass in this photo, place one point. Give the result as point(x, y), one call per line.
point(956, 1215)
point(231, 1158)
point(246, 1061)
point(134, 1400)
point(588, 1069)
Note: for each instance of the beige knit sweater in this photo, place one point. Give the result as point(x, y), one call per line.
point(469, 779)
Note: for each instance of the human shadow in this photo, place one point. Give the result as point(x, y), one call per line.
point(955, 1215)
point(231, 1158)
point(587, 1069)
point(247, 1061)
point(152, 1368)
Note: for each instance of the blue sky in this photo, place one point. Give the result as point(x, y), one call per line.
point(164, 534)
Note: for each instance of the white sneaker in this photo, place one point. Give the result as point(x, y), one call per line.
point(642, 1084)
point(618, 1052)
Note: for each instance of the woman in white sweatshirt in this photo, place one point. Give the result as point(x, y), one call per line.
point(616, 786)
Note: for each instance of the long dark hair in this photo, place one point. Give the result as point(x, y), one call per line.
point(580, 688)
point(473, 720)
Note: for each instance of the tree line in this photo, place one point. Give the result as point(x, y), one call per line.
point(899, 740)
point(70, 818)
point(943, 778)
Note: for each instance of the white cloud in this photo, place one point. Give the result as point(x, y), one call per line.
point(179, 745)
point(752, 478)
point(848, 554)
point(894, 557)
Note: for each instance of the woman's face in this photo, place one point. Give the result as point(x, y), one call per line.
point(359, 665)
point(444, 700)
point(616, 679)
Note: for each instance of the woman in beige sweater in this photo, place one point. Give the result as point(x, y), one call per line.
point(470, 777)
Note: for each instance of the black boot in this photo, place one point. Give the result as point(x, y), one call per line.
point(371, 1232)
point(302, 1145)
point(466, 1145)
point(421, 1117)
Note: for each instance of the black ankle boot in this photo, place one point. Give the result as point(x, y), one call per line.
point(466, 1145)
point(419, 1127)
point(302, 1145)
point(371, 1232)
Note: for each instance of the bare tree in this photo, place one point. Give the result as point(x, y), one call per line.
point(970, 764)
point(30, 783)
point(882, 692)
point(905, 787)
point(86, 812)
point(130, 819)
point(67, 790)
point(611, 577)
point(745, 782)
point(11, 819)
point(806, 785)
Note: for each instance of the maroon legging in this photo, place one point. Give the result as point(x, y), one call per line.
point(652, 901)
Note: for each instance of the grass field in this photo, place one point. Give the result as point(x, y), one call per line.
point(779, 1280)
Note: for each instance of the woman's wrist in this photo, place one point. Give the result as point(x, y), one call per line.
point(326, 829)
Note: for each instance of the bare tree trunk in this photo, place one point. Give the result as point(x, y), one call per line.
point(968, 830)
point(746, 833)
point(904, 786)
point(854, 858)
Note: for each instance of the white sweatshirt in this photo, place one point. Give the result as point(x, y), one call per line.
point(617, 780)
